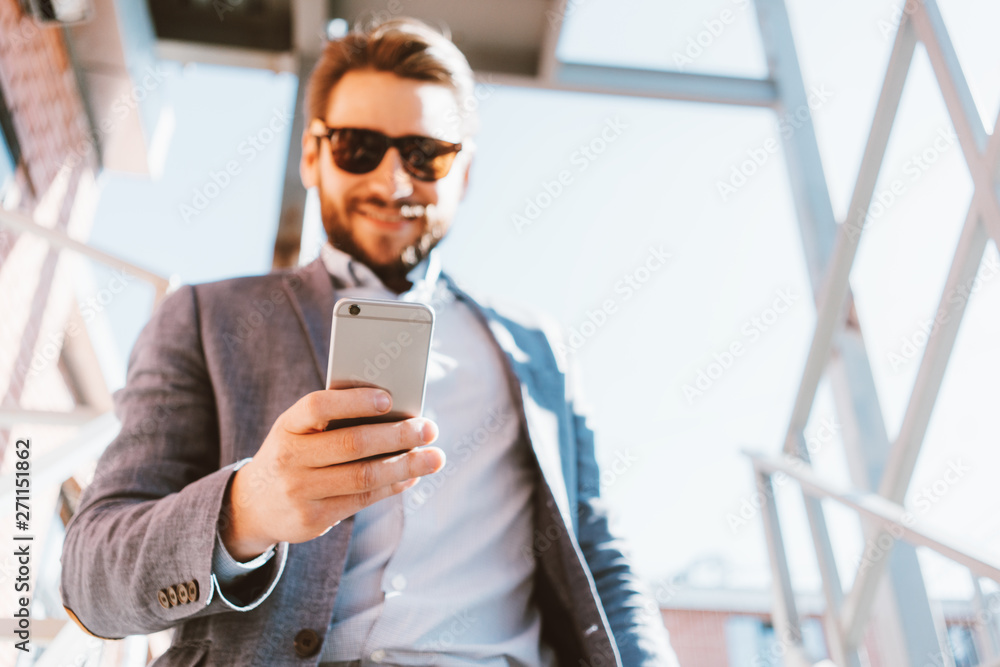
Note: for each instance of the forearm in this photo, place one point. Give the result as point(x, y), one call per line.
point(120, 552)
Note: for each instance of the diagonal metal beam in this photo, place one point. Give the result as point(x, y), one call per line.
point(832, 302)
point(904, 453)
point(958, 98)
point(805, 166)
point(989, 184)
point(940, 343)
point(906, 449)
point(961, 107)
point(905, 606)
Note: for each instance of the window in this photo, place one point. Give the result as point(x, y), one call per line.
point(751, 642)
point(963, 647)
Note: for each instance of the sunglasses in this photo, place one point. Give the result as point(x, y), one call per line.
point(359, 151)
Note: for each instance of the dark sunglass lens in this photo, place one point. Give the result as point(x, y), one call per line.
point(359, 151)
point(427, 159)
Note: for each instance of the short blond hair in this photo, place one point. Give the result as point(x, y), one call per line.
point(405, 46)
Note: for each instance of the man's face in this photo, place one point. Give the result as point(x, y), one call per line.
point(386, 218)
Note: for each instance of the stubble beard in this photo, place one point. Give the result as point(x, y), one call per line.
point(339, 231)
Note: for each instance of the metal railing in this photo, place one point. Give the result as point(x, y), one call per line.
point(886, 467)
point(96, 431)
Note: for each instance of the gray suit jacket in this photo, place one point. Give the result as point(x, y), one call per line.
point(209, 374)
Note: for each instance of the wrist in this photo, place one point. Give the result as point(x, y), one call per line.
point(237, 525)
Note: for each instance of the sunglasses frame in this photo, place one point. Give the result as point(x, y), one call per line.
point(319, 129)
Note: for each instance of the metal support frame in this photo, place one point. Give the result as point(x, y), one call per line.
point(888, 469)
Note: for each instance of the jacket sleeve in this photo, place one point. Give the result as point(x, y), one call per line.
point(632, 612)
point(146, 525)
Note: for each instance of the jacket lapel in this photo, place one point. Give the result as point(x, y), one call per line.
point(541, 424)
point(312, 297)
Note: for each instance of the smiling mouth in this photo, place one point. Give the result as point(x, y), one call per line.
point(394, 216)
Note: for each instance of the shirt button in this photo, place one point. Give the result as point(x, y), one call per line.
point(399, 582)
point(378, 655)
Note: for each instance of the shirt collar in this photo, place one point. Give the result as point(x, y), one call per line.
point(353, 273)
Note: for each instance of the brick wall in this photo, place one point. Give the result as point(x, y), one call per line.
point(698, 637)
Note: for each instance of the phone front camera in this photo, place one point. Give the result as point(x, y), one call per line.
point(354, 309)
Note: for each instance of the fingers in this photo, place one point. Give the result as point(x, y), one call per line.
point(345, 506)
point(368, 478)
point(351, 443)
point(313, 412)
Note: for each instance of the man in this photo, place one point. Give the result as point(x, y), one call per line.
point(225, 509)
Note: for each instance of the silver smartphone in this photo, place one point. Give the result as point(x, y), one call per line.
point(381, 343)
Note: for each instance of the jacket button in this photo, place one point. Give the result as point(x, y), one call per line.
point(172, 594)
point(192, 587)
point(182, 593)
point(161, 595)
point(307, 643)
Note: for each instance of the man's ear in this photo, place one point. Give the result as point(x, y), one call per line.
point(309, 164)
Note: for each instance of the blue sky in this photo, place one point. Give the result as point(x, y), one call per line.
point(735, 260)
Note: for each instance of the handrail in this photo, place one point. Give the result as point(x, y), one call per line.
point(886, 513)
point(58, 465)
point(24, 223)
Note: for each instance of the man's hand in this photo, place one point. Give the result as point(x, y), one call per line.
point(304, 480)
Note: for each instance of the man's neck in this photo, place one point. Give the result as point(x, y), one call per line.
point(396, 283)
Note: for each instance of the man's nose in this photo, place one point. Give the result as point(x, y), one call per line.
point(392, 176)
